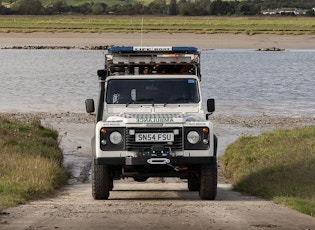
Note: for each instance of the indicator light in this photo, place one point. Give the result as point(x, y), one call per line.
point(103, 131)
point(205, 130)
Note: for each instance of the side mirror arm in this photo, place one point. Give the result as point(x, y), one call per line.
point(208, 115)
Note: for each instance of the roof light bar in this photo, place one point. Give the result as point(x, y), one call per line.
point(131, 49)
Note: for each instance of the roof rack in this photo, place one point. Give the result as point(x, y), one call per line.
point(165, 60)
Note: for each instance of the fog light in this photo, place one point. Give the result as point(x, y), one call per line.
point(103, 142)
point(205, 141)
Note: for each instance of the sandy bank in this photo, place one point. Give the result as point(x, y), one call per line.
point(202, 41)
point(250, 121)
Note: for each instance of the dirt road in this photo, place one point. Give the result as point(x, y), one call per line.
point(153, 206)
point(165, 204)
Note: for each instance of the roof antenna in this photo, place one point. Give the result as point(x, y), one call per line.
point(141, 31)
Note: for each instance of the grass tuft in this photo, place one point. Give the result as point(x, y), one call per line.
point(30, 165)
point(275, 165)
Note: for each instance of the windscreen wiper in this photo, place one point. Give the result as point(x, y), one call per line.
point(178, 99)
point(140, 100)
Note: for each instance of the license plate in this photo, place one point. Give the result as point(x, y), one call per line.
point(154, 137)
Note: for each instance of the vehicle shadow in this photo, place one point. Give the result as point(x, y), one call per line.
point(172, 191)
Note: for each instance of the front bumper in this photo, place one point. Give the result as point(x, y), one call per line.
point(144, 160)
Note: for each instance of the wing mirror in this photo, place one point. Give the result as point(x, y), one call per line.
point(210, 107)
point(89, 106)
point(102, 74)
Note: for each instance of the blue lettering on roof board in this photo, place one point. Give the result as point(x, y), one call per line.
point(130, 49)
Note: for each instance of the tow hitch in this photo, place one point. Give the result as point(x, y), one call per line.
point(158, 155)
point(165, 161)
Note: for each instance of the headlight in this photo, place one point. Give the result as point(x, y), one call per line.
point(115, 137)
point(193, 137)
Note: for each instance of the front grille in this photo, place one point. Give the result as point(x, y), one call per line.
point(132, 145)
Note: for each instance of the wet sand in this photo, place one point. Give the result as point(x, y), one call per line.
point(202, 41)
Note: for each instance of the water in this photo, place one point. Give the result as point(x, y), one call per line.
point(48, 80)
point(271, 83)
point(242, 81)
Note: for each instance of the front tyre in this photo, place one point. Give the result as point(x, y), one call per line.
point(100, 182)
point(208, 181)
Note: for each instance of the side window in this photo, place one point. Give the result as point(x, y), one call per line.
point(192, 90)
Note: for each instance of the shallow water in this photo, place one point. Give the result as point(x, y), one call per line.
point(251, 82)
point(242, 81)
point(48, 80)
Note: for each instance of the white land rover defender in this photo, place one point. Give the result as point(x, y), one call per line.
point(150, 121)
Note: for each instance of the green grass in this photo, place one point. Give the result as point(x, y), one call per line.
point(176, 24)
point(81, 2)
point(30, 165)
point(275, 165)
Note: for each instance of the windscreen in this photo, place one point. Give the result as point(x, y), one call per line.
point(152, 91)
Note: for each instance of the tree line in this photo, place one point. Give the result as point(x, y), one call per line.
point(156, 7)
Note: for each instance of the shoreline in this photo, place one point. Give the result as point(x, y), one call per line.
point(245, 121)
point(201, 41)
